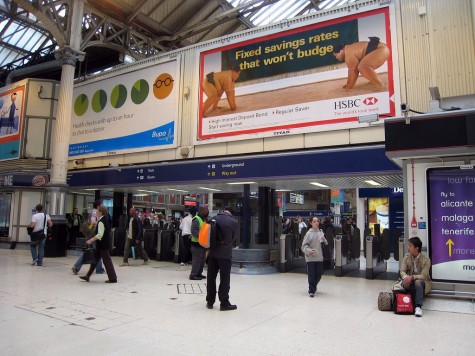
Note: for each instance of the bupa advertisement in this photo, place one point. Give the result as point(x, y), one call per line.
point(130, 112)
point(451, 199)
point(314, 78)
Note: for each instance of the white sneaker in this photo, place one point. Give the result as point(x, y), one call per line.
point(418, 311)
point(311, 295)
point(182, 264)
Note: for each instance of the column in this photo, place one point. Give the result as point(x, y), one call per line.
point(57, 187)
point(246, 217)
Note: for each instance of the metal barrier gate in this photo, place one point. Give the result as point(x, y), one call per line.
point(375, 264)
point(344, 261)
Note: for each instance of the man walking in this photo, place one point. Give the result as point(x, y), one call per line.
point(198, 252)
point(219, 259)
point(135, 237)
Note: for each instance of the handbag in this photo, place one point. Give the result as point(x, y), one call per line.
point(385, 301)
point(88, 255)
point(397, 286)
point(403, 303)
point(39, 235)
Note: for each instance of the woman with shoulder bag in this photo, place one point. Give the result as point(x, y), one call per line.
point(39, 223)
point(312, 248)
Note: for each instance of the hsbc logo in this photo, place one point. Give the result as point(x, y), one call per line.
point(356, 103)
point(370, 101)
point(347, 104)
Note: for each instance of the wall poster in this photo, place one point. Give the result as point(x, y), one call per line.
point(451, 205)
point(11, 122)
point(130, 112)
point(314, 78)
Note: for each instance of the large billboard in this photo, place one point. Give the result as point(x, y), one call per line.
point(11, 122)
point(130, 112)
point(451, 203)
point(313, 78)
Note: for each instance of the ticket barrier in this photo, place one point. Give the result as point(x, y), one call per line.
point(150, 242)
point(118, 241)
point(375, 263)
point(165, 243)
point(178, 246)
point(345, 260)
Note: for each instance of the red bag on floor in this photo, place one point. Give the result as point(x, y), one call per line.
point(403, 303)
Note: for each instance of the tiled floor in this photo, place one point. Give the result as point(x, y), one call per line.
point(156, 310)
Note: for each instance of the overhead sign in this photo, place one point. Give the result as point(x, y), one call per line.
point(451, 201)
point(23, 180)
point(130, 112)
point(364, 160)
point(291, 82)
point(296, 198)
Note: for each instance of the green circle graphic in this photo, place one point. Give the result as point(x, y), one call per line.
point(81, 104)
point(118, 96)
point(139, 91)
point(99, 101)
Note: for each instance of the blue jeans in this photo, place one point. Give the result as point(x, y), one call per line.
point(38, 251)
point(99, 267)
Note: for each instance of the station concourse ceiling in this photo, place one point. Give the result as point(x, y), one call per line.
point(120, 31)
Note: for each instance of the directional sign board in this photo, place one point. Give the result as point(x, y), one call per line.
point(451, 201)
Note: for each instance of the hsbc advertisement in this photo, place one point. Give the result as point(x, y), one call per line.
point(307, 79)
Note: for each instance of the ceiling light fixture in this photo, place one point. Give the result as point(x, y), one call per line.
point(178, 190)
point(212, 189)
point(283, 190)
point(147, 191)
point(372, 182)
point(238, 183)
point(319, 185)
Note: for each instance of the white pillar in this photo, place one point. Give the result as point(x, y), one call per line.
point(69, 56)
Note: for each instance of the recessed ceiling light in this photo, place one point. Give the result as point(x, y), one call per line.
point(178, 190)
point(238, 183)
point(319, 185)
point(372, 182)
point(212, 189)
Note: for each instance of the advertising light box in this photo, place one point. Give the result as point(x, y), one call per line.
point(451, 203)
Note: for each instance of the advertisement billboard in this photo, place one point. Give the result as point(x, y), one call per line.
point(314, 78)
point(130, 112)
point(11, 122)
point(451, 205)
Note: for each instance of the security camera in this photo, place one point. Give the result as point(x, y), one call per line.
point(113, 164)
point(404, 108)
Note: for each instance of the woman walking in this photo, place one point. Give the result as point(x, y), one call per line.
point(312, 248)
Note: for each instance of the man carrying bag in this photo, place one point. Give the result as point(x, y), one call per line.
point(39, 223)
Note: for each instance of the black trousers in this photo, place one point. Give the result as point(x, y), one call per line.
point(185, 252)
point(106, 260)
point(315, 271)
point(224, 268)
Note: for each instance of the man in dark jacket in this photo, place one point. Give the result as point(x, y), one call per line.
point(134, 238)
point(219, 259)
